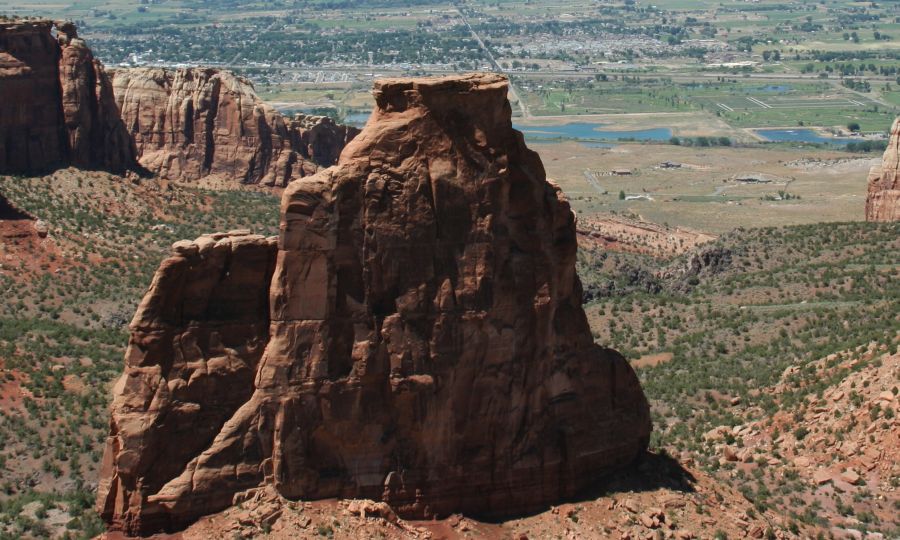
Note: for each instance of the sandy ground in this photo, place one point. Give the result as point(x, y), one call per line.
point(703, 194)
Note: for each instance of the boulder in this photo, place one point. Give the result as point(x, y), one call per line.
point(822, 476)
point(42, 228)
point(850, 476)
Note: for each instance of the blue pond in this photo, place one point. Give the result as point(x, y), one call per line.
point(587, 133)
point(775, 88)
point(590, 132)
point(801, 135)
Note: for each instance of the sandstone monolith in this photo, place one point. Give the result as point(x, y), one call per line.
point(194, 123)
point(426, 343)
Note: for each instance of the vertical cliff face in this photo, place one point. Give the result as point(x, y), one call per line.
point(426, 343)
point(58, 107)
point(56, 103)
point(195, 345)
point(31, 133)
point(94, 131)
point(883, 199)
point(189, 124)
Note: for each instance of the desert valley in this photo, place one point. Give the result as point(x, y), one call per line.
point(417, 296)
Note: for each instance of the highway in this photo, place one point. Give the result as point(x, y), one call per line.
point(513, 94)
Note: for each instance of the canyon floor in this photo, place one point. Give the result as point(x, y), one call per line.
point(769, 353)
point(713, 190)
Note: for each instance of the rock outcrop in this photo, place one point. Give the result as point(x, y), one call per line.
point(59, 107)
point(883, 199)
point(56, 103)
point(195, 346)
point(193, 123)
point(426, 344)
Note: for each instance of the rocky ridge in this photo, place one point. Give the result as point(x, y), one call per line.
point(843, 444)
point(422, 343)
point(883, 199)
point(193, 123)
point(60, 107)
point(56, 102)
point(617, 233)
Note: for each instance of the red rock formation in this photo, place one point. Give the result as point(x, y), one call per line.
point(31, 128)
point(196, 341)
point(319, 139)
point(96, 135)
point(58, 107)
point(56, 104)
point(427, 346)
point(883, 199)
point(192, 123)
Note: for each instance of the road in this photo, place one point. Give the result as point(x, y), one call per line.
point(592, 180)
point(513, 94)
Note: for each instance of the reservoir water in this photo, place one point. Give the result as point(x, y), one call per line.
point(775, 88)
point(801, 135)
point(591, 132)
point(356, 119)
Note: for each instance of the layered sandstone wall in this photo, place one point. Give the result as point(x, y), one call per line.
point(188, 124)
point(426, 343)
point(883, 198)
point(59, 107)
point(56, 103)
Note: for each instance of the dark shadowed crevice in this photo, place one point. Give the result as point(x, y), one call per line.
point(8, 212)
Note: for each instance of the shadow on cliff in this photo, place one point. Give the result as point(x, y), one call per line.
point(8, 212)
point(649, 472)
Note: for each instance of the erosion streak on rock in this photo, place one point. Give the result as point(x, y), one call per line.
point(188, 124)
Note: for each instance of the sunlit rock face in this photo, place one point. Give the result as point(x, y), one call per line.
point(193, 123)
point(415, 337)
point(56, 103)
point(883, 199)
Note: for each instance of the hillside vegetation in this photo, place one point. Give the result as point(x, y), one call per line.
point(756, 326)
point(715, 331)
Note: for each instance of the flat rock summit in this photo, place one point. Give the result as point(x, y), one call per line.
point(414, 336)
